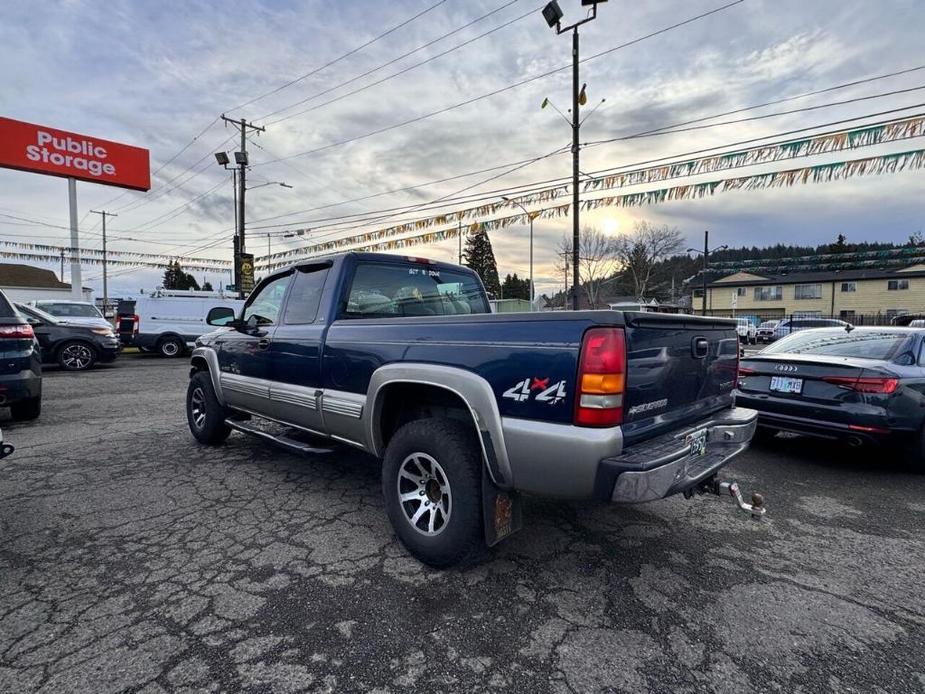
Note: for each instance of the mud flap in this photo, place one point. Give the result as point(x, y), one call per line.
point(502, 512)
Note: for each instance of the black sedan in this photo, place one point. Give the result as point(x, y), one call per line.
point(73, 347)
point(860, 385)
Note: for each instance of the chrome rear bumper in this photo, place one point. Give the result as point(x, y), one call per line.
point(665, 465)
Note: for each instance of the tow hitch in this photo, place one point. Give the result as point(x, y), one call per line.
point(714, 486)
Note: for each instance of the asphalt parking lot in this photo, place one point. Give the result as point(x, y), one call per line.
point(132, 560)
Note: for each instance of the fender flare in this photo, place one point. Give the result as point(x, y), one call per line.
point(205, 359)
point(472, 389)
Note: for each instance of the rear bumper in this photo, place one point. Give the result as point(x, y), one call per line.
point(22, 386)
point(659, 467)
point(876, 432)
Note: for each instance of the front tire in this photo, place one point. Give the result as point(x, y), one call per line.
point(26, 410)
point(76, 356)
point(431, 481)
point(204, 414)
point(171, 347)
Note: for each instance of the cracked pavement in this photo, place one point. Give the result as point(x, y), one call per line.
point(134, 560)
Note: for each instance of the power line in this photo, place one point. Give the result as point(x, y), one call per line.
point(403, 71)
point(559, 181)
point(339, 58)
point(678, 129)
point(501, 90)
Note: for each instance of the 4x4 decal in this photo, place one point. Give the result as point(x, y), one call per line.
point(550, 394)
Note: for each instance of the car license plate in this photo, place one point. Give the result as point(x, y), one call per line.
point(785, 384)
point(697, 442)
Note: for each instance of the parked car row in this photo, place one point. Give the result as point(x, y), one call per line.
point(773, 330)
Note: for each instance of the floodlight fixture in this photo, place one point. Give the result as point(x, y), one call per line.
point(222, 158)
point(240, 158)
point(552, 13)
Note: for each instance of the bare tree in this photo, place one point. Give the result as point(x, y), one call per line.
point(597, 260)
point(639, 251)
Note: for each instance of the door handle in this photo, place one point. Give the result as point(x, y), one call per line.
point(700, 347)
point(264, 343)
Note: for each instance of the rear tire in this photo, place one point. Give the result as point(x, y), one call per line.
point(26, 410)
point(171, 347)
point(204, 414)
point(74, 355)
point(431, 481)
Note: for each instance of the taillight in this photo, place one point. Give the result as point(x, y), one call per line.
point(873, 384)
point(17, 332)
point(136, 324)
point(601, 378)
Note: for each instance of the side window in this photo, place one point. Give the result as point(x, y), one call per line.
point(265, 305)
point(305, 296)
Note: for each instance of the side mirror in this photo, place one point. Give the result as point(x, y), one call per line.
point(220, 316)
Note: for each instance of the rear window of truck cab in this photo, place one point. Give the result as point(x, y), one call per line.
point(381, 290)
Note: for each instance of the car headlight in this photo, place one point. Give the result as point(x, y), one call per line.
point(105, 332)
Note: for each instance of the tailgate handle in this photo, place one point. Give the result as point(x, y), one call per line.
point(700, 347)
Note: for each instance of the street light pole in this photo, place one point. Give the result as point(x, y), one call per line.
point(706, 259)
point(706, 263)
point(553, 16)
point(530, 219)
point(576, 129)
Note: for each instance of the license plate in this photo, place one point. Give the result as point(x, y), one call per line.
point(785, 384)
point(697, 442)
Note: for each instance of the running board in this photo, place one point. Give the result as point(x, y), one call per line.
point(279, 439)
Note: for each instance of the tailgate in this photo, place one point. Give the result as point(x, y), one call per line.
point(679, 368)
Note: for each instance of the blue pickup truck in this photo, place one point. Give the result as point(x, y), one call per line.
point(468, 410)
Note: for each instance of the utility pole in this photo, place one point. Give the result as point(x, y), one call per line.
point(104, 214)
point(459, 234)
point(62, 265)
point(241, 160)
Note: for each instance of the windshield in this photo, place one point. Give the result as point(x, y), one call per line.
point(63, 310)
point(769, 324)
point(884, 345)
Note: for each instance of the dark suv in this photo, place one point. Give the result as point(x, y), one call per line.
point(21, 366)
point(73, 347)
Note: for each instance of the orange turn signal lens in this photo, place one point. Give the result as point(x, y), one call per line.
point(602, 383)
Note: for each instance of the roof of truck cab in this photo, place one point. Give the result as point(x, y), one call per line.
point(375, 257)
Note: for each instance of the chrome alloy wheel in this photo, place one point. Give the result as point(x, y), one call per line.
point(77, 356)
point(197, 407)
point(424, 494)
point(170, 348)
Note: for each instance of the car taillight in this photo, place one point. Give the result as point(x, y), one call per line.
point(873, 384)
point(17, 332)
point(136, 324)
point(601, 378)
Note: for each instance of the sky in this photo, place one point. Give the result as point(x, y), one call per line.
point(158, 75)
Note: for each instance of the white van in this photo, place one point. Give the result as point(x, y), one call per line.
point(168, 321)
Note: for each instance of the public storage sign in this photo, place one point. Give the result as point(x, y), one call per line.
point(40, 149)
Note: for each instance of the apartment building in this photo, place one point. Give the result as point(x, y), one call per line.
point(845, 294)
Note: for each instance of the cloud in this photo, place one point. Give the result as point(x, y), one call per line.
point(157, 74)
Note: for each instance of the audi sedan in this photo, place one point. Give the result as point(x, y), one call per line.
point(860, 385)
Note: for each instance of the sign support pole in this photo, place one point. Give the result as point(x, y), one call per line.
point(76, 281)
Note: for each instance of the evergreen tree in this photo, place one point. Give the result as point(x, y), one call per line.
point(207, 286)
point(176, 278)
point(479, 256)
